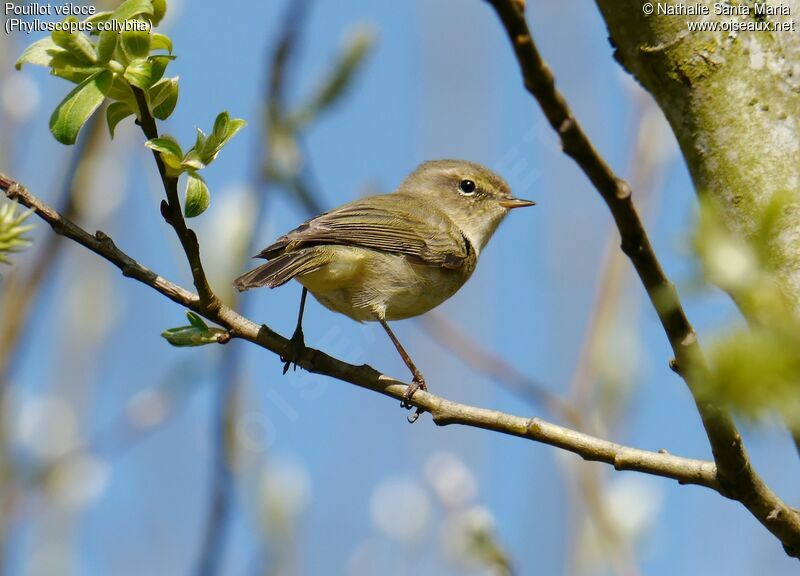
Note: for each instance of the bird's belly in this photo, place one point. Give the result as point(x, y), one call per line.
point(364, 284)
point(433, 287)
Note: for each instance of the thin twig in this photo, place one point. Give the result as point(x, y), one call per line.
point(444, 412)
point(171, 209)
point(735, 474)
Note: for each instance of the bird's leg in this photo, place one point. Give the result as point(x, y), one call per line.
point(418, 381)
point(296, 343)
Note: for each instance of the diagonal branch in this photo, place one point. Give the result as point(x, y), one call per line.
point(444, 412)
point(736, 476)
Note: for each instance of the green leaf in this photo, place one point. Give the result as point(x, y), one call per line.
point(161, 90)
point(196, 321)
point(74, 75)
point(198, 333)
point(76, 43)
point(145, 73)
point(135, 44)
point(166, 145)
point(766, 351)
point(71, 67)
point(200, 140)
point(161, 42)
point(169, 149)
point(160, 63)
point(106, 43)
point(96, 18)
point(140, 74)
point(159, 10)
point(116, 113)
point(164, 97)
point(121, 91)
point(192, 161)
point(224, 129)
point(763, 354)
point(39, 53)
point(73, 112)
point(197, 196)
point(221, 124)
point(132, 8)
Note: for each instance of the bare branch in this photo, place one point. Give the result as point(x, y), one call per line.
point(444, 412)
point(735, 474)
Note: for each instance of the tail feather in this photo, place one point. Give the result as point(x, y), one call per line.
point(280, 270)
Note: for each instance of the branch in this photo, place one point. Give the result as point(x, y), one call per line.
point(444, 412)
point(736, 476)
point(171, 210)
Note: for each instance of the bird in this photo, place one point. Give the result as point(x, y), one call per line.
point(391, 256)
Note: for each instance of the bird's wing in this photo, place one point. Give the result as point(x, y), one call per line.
point(386, 223)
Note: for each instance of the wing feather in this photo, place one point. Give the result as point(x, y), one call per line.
point(384, 223)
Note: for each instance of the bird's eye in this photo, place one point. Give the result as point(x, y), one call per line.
point(466, 187)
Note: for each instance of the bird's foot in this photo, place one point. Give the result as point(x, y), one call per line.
point(418, 383)
point(297, 345)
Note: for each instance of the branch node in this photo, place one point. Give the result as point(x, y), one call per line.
point(105, 240)
point(632, 247)
point(534, 428)
point(166, 213)
point(689, 340)
point(567, 125)
point(441, 418)
point(193, 239)
point(209, 303)
point(623, 189)
point(12, 190)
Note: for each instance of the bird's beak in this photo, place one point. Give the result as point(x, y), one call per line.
point(515, 203)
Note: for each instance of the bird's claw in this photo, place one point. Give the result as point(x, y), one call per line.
point(296, 346)
point(418, 383)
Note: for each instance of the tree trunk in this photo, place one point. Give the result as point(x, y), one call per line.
point(733, 101)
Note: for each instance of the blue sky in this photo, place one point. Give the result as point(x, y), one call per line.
point(442, 82)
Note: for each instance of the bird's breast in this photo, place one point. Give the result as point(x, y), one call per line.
point(363, 284)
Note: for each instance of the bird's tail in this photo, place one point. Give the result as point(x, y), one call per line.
point(280, 270)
